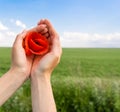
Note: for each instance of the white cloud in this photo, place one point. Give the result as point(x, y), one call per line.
point(72, 39)
point(68, 39)
point(20, 24)
point(79, 39)
point(10, 33)
point(0, 37)
point(7, 38)
point(3, 27)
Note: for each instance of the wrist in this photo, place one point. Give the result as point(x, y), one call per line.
point(39, 74)
point(19, 73)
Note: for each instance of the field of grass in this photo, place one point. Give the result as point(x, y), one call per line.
point(86, 80)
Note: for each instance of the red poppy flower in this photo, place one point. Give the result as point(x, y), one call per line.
point(35, 43)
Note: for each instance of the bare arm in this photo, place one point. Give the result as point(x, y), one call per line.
point(42, 95)
point(18, 73)
point(9, 83)
point(20, 67)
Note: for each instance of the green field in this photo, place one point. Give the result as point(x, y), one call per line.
point(86, 80)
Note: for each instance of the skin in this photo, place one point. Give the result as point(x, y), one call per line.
point(42, 96)
point(38, 68)
point(18, 71)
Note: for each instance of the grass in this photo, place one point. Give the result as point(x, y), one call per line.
point(5, 55)
point(90, 62)
point(86, 80)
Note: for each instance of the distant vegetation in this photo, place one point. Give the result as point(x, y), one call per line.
point(86, 80)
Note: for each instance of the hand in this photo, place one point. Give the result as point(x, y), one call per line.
point(42, 29)
point(20, 61)
point(46, 63)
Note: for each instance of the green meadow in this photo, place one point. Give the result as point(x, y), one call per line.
point(86, 80)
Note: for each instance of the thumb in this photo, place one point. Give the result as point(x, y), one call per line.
point(19, 39)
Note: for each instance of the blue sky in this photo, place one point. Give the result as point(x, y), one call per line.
point(80, 23)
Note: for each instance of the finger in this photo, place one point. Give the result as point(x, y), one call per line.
point(24, 31)
point(40, 22)
point(56, 45)
point(44, 31)
point(51, 29)
point(46, 35)
point(39, 28)
point(55, 41)
point(19, 39)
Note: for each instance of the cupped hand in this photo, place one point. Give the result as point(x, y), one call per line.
point(46, 63)
point(20, 61)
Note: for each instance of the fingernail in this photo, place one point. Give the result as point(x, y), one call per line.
point(24, 30)
point(41, 20)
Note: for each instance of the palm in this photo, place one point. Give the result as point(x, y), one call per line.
point(43, 63)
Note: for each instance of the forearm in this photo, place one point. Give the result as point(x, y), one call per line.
point(9, 83)
point(42, 95)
